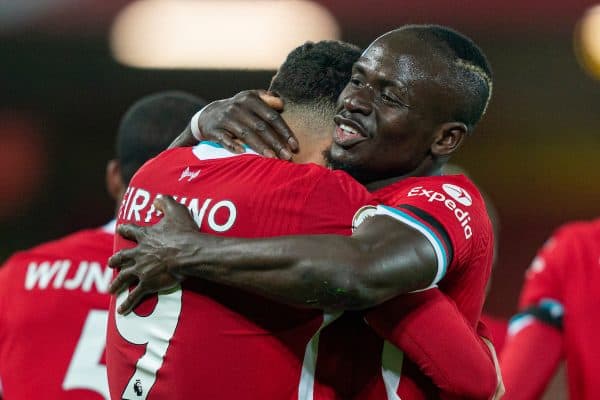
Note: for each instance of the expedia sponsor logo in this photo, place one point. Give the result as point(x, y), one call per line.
point(361, 215)
point(454, 194)
point(457, 193)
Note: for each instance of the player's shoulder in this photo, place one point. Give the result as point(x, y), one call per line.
point(577, 232)
point(162, 159)
point(456, 188)
point(95, 243)
point(579, 228)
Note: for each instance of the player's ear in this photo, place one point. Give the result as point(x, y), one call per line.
point(448, 138)
point(114, 181)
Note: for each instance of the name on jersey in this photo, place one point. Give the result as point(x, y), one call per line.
point(218, 215)
point(53, 275)
point(461, 196)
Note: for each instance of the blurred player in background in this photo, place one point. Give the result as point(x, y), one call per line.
point(309, 272)
point(54, 297)
point(558, 317)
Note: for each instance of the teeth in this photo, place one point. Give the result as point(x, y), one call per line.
point(349, 129)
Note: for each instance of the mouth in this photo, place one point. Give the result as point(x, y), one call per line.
point(348, 132)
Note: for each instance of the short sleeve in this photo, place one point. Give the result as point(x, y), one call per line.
point(450, 213)
point(334, 204)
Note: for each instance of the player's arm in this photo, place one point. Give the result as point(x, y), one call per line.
point(383, 258)
point(432, 332)
point(529, 360)
point(534, 346)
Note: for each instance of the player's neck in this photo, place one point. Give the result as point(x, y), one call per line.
point(311, 149)
point(425, 169)
point(312, 140)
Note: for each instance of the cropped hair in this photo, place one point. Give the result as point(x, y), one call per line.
point(468, 66)
point(150, 125)
point(315, 73)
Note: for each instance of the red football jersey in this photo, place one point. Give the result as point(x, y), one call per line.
point(498, 328)
point(559, 299)
point(450, 212)
point(53, 314)
point(206, 340)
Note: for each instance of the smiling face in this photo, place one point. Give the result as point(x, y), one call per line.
point(391, 112)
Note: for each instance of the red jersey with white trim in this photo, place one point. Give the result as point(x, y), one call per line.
point(210, 341)
point(560, 295)
point(450, 212)
point(53, 313)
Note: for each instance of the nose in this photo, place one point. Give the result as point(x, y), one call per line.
point(359, 101)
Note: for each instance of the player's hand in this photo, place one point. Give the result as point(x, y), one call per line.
point(151, 266)
point(251, 117)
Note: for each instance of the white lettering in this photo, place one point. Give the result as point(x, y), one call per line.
point(136, 206)
point(450, 204)
point(437, 197)
point(231, 219)
point(98, 276)
point(153, 209)
point(468, 232)
point(198, 215)
point(461, 215)
point(41, 274)
point(220, 216)
point(414, 191)
point(127, 200)
point(75, 282)
point(87, 275)
point(60, 277)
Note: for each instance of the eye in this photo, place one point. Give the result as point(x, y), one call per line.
point(355, 81)
point(392, 100)
point(389, 99)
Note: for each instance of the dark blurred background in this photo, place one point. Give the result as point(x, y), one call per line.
point(62, 93)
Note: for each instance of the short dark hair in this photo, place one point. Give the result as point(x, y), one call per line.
point(150, 125)
point(315, 73)
point(468, 66)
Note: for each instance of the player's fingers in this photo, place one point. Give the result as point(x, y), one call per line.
point(121, 282)
point(226, 139)
point(161, 202)
point(121, 259)
point(132, 300)
point(271, 100)
point(131, 232)
point(250, 130)
point(116, 260)
point(285, 135)
point(271, 127)
point(169, 206)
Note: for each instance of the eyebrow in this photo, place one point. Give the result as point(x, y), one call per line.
point(383, 81)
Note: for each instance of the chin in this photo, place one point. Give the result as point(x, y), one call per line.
point(342, 155)
point(340, 159)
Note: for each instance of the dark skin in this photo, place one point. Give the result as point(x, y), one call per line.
point(392, 102)
point(399, 104)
